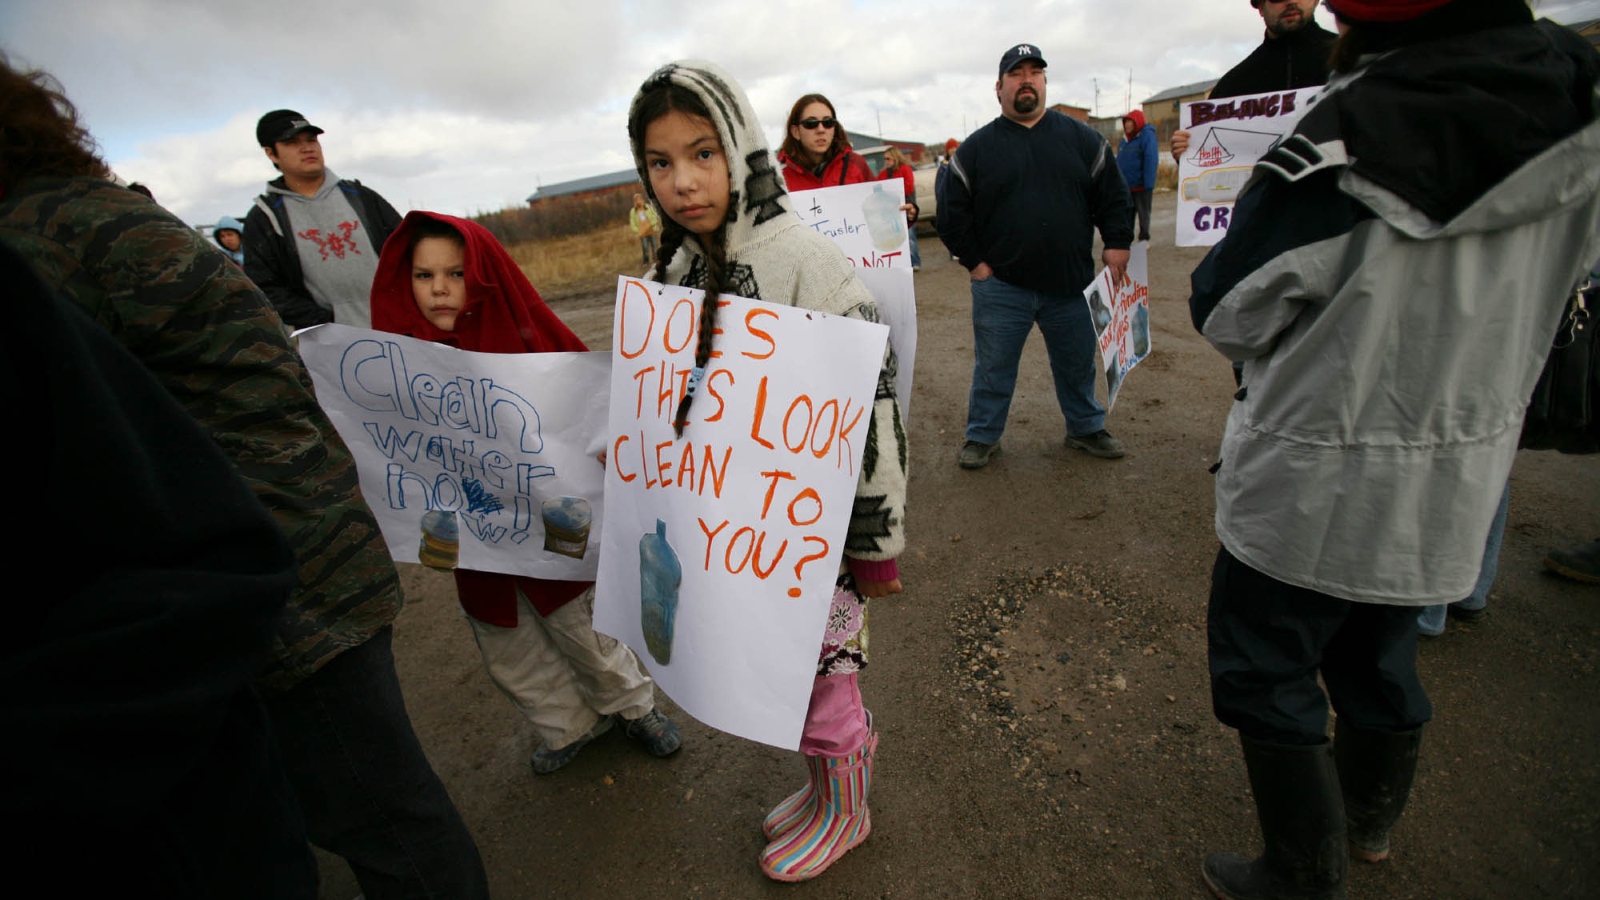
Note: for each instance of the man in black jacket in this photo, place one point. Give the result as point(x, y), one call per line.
point(1024, 196)
point(312, 240)
point(1293, 55)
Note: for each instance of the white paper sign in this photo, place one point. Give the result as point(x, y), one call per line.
point(476, 460)
point(721, 548)
point(1226, 138)
point(884, 267)
point(1121, 315)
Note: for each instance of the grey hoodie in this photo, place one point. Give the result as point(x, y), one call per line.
point(336, 254)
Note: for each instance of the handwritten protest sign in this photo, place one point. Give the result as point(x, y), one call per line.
point(1121, 315)
point(1226, 138)
point(879, 246)
point(477, 460)
point(721, 547)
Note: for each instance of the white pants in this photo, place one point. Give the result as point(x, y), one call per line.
point(562, 673)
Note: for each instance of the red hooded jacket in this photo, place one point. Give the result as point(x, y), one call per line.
point(503, 314)
point(847, 167)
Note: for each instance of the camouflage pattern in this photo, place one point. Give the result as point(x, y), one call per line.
point(215, 343)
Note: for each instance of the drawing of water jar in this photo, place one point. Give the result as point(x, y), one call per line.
point(566, 525)
point(441, 540)
point(885, 222)
point(1141, 330)
point(660, 574)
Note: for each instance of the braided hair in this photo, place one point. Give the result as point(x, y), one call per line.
point(661, 99)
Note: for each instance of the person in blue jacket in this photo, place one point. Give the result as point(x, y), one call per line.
point(1137, 157)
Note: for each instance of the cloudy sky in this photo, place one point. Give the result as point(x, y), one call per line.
point(467, 106)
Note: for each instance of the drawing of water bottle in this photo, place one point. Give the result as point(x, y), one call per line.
point(885, 222)
point(660, 574)
point(1216, 185)
point(1141, 331)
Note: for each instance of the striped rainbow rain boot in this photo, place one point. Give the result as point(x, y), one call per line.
point(838, 818)
point(797, 807)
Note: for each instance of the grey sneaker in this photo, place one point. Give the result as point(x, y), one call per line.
point(1580, 563)
point(1100, 444)
point(546, 760)
point(975, 455)
point(654, 732)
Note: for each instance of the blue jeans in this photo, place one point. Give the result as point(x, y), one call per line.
point(647, 246)
point(364, 785)
point(1430, 620)
point(1003, 315)
point(916, 255)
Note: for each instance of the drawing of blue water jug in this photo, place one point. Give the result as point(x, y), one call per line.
point(885, 222)
point(660, 574)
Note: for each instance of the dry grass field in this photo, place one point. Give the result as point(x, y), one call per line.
point(578, 264)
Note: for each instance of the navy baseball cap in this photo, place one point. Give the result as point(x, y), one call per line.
point(281, 125)
point(1020, 53)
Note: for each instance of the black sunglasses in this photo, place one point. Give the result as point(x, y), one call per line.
point(813, 124)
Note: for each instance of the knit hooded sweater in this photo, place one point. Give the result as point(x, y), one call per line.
point(772, 257)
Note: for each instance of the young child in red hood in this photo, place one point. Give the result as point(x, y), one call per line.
point(448, 280)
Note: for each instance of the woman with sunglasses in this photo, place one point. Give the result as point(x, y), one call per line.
point(815, 152)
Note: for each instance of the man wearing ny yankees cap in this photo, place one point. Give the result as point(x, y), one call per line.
point(1023, 198)
point(312, 240)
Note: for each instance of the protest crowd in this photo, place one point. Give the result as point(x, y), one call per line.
point(1361, 492)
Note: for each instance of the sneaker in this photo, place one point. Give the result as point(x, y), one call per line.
point(546, 760)
point(1100, 444)
point(1580, 563)
point(654, 732)
point(975, 455)
point(1468, 616)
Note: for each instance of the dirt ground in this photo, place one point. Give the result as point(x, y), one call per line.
point(1040, 688)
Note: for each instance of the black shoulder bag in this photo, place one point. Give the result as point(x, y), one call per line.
point(1562, 414)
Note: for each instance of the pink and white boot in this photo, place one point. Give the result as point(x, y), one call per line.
point(798, 806)
point(808, 838)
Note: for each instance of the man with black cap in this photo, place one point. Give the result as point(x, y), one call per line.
point(1023, 199)
point(312, 240)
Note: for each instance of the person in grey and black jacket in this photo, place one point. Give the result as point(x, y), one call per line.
point(1394, 273)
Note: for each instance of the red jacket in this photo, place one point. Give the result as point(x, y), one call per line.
point(848, 167)
point(909, 176)
point(504, 314)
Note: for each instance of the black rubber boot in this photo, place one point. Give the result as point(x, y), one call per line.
point(1302, 824)
point(1376, 770)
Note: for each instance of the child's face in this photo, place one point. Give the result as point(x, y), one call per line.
point(688, 171)
point(439, 280)
point(228, 238)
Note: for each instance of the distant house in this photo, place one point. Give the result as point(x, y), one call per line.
point(872, 147)
point(624, 182)
point(1110, 127)
point(1162, 109)
point(1075, 112)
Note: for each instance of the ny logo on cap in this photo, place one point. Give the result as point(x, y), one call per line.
point(1024, 49)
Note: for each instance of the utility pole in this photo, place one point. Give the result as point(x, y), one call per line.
point(1129, 106)
point(879, 113)
point(1097, 98)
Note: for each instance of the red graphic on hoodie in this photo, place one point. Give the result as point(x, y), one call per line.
point(334, 242)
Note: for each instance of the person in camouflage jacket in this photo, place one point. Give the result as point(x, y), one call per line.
point(213, 340)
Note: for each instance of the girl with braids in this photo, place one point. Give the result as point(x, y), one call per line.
point(729, 230)
point(448, 280)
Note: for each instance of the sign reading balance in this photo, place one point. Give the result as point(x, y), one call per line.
point(1226, 138)
point(720, 548)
